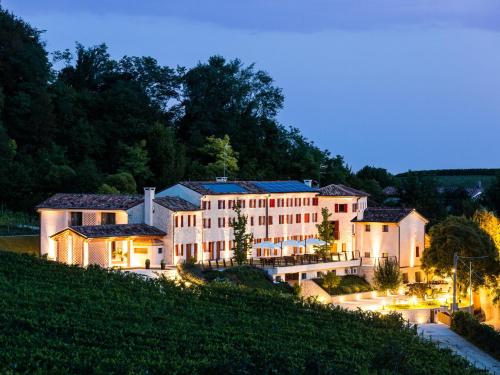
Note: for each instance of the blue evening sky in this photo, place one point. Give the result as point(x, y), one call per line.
point(398, 84)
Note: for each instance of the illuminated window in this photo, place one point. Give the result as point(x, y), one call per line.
point(385, 228)
point(417, 252)
point(367, 228)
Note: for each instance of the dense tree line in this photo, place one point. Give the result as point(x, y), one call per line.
point(99, 124)
point(85, 122)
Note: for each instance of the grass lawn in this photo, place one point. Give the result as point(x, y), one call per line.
point(62, 319)
point(29, 244)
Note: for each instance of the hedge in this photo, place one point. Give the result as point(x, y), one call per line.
point(482, 335)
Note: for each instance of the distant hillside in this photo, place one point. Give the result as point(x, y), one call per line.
point(59, 319)
point(457, 177)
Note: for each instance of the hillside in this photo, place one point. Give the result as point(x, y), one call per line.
point(62, 319)
point(461, 178)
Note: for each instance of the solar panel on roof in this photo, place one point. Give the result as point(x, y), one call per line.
point(284, 186)
point(225, 188)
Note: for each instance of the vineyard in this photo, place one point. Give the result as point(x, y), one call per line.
point(60, 319)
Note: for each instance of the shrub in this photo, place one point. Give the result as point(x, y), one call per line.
point(387, 275)
point(482, 335)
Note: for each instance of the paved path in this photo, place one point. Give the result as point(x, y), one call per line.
point(446, 338)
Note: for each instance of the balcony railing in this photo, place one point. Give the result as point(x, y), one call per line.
point(375, 261)
point(285, 261)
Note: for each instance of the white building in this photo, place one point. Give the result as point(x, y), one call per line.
point(191, 221)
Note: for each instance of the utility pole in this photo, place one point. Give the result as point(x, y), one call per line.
point(454, 306)
point(471, 308)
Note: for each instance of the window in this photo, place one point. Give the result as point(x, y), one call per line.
point(221, 204)
point(385, 228)
point(281, 219)
point(418, 278)
point(230, 204)
point(160, 250)
point(206, 205)
point(108, 218)
point(307, 218)
point(405, 278)
point(271, 202)
point(298, 218)
point(367, 228)
point(75, 219)
point(207, 223)
point(417, 252)
point(182, 221)
point(251, 221)
point(315, 201)
point(222, 222)
point(367, 254)
point(303, 275)
point(344, 247)
point(194, 220)
point(354, 207)
point(189, 220)
point(270, 220)
point(336, 229)
point(315, 218)
point(177, 222)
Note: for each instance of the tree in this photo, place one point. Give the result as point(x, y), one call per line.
point(465, 237)
point(387, 275)
point(242, 240)
point(122, 182)
point(224, 159)
point(325, 233)
point(134, 160)
point(492, 194)
point(330, 281)
point(488, 222)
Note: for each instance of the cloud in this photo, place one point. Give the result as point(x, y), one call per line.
point(294, 15)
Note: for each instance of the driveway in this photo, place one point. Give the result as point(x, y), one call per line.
point(446, 338)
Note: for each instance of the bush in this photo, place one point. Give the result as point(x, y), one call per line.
point(482, 335)
point(348, 284)
point(59, 319)
point(387, 275)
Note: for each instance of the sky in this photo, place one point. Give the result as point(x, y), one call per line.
point(402, 85)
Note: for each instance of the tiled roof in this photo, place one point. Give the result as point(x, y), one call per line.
point(338, 190)
point(117, 230)
point(384, 215)
point(92, 201)
point(247, 187)
point(176, 204)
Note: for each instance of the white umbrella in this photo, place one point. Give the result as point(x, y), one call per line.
point(312, 241)
point(292, 243)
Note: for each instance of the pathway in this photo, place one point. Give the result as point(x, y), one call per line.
point(446, 338)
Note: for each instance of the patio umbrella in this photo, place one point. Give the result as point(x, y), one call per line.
point(292, 243)
point(312, 241)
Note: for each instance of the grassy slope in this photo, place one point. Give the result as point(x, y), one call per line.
point(21, 244)
point(61, 319)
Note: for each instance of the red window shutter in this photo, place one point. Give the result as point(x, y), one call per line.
point(177, 250)
point(182, 221)
point(189, 220)
point(176, 222)
point(271, 202)
point(194, 220)
point(336, 207)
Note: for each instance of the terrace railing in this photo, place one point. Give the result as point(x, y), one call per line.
point(284, 261)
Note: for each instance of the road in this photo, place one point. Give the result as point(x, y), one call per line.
point(446, 338)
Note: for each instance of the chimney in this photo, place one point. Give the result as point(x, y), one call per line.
point(308, 182)
point(149, 195)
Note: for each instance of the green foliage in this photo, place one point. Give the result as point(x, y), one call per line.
point(242, 239)
point(458, 234)
point(122, 182)
point(224, 161)
point(347, 284)
point(134, 160)
point(62, 319)
point(22, 244)
point(330, 281)
point(387, 275)
point(325, 233)
point(421, 290)
point(492, 196)
point(482, 335)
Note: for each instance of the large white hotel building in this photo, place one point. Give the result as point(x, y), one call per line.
point(191, 221)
